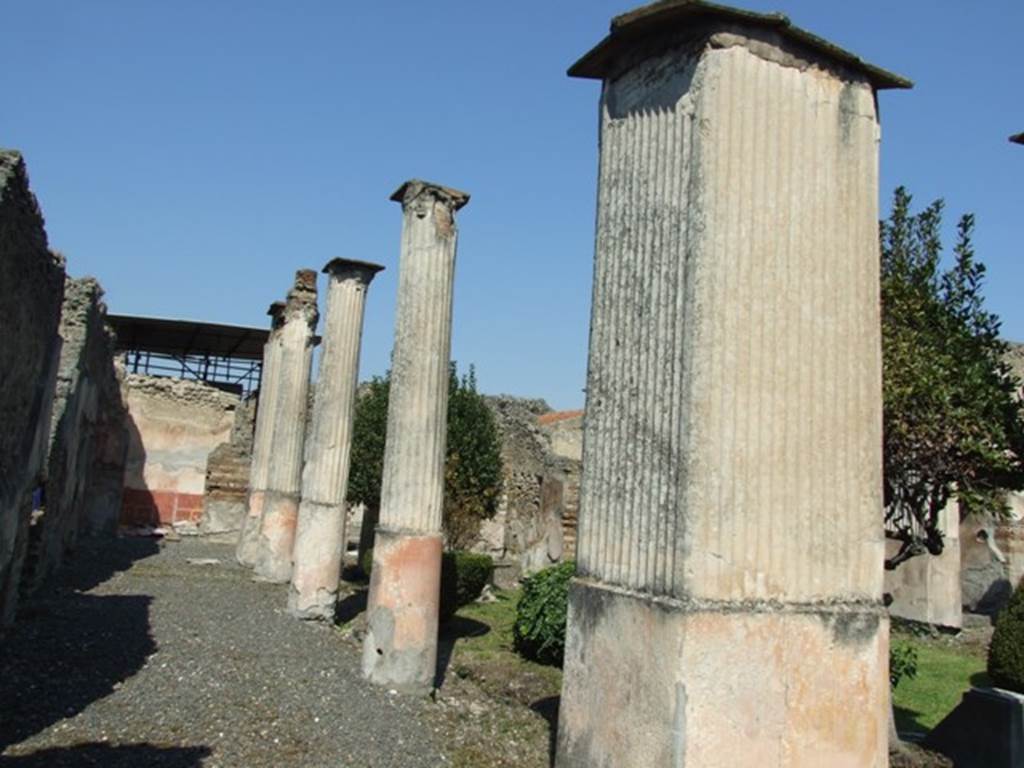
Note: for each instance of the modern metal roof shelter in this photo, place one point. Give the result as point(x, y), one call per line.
point(229, 357)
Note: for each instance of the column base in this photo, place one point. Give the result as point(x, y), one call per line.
point(277, 537)
point(316, 561)
point(249, 536)
point(652, 683)
point(400, 650)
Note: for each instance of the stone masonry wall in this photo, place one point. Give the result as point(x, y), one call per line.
point(173, 424)
point(535, 523)
point(227, 478)
point(87, 444)
point(31, 290)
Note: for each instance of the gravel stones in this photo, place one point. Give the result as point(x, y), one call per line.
point(137, 657)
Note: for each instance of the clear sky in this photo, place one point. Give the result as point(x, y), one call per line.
point(193, 154)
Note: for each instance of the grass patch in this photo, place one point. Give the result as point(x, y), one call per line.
point(491, 695)
point(481, 634)
point(943, 674)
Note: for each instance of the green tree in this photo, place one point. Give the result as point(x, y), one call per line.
point(952, 421)
point(473, 476)
point(369, 427)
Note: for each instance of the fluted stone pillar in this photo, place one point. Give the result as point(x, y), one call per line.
point(288, 432)
point(248, 536)
point(400, 650)
point(320, 536)
point(727, 605)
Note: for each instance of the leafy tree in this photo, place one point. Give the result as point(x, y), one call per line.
point(369, 427)
point(472, 473)
point(952, 421)
point(472, 464)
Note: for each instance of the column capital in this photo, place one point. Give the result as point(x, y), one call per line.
point(276, 312)
point(672, 22)
point(363, 271)
point(414, 189)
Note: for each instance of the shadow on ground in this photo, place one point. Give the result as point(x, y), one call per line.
point(451, 632)
point(69, 649)
point(548, 709)
point(908, 722)
point(351, 606)
point(108, 756)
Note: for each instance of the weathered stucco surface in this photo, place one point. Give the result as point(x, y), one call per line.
point(721, 684)
point(412, 487)
point(173, 425)
point(731, 505)
point(285, 445)
point(31, 291)
point(320, 534)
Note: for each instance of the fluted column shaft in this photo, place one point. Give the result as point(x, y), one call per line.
point(320, 535)
point(730, 510)
point(259, 467)
point(401, 645)
point(284, 473)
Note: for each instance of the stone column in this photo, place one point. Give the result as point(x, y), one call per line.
point(262, 437)
point(400, 650)
point(288, 431)
point(727, 606)
point(320, 536)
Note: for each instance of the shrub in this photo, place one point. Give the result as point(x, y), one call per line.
point(463, 577)
point(1006, 651)
point(902, 663)
point(366, 562)
point(539, 630)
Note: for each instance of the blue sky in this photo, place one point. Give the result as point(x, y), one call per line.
point(192, 155)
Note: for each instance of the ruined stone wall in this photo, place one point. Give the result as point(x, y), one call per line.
point(173, 425)
point(31, 290)
point(87, 444)
point(227, 478)
point(535, 525)
point(927, 588)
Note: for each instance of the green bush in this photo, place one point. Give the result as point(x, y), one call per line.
point(902, 663)
point(463, 577)
point(366, 562)
point(539, 630)
point(1006, 651)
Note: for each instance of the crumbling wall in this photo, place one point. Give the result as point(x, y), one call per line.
point(535, 523)
point(927, 588)
point(992, 557)
point(227, 478)
point(31, 290)
point(173, 425)
point(87, 435)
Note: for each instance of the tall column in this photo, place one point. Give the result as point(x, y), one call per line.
point(727, 605)
point(400, 650)
point(320, 536)
point(263, 434)
point(288, 432)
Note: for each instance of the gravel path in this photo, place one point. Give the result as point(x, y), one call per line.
point(138, 658)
